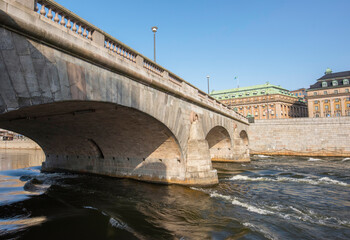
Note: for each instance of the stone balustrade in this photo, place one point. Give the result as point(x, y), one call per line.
point(63, 17)
point(151, 66)
point(120, 50)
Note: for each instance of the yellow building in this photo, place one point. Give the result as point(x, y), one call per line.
point(300, 93)
point(264, 101)
point(329, 96)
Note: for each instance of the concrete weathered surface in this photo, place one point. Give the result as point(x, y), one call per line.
point(93, 111)
point(301, 137)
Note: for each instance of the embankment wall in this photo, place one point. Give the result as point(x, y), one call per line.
point(301, 137)
point(19, 144)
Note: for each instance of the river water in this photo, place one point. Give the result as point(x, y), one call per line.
point(269, 198)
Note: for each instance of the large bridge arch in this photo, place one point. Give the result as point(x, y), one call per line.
point(103, 138)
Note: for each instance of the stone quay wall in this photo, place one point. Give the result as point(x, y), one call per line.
point(19, 144)
point(301, 137)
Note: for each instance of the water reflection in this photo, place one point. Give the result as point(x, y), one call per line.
point(269, 198)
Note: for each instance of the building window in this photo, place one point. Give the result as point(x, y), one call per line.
point(337, 100)
point(316, 108)
point(326, 101)
point(345, 81)
point(335, 83)
point(324, 84)
point(337, 106)
point(347, 90)
point(315, 93)
point(348, 105)
point(325, 92)
point(317, 115)
point(335, 91)
point(326, 107)
point(316, 102)
point(338, 114)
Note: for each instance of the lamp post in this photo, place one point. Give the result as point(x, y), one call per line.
point(208, 82)
point(154, 30)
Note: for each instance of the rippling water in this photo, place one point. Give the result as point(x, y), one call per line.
point(269, 198)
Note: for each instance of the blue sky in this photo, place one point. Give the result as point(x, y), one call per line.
point(288, 43)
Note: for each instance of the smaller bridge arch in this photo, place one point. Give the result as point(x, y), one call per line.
point(220, 143)
point(244, 137)
point(242, 146)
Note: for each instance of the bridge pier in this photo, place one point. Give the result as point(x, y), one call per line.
point(199, 166)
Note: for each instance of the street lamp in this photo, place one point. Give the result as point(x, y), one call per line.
point(154, 30)
point(208, 82)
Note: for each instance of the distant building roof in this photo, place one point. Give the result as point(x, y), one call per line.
point(300, 89)
point(255, 90)
point(329, 82)
point(332, 80)
point(335, 75)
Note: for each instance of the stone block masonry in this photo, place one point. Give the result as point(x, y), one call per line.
point(301, 137)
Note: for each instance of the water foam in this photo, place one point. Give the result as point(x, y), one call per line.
point(345, 159)
point(262, 156)
point(323, 180)
point(284, 212)
point(218, 195)
point(314, 159)
point(89, 207)
point(236, 202)
point(251, 208)
point(117, 223)
point(266, 233)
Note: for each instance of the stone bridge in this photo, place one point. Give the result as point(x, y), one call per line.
point(95, 105)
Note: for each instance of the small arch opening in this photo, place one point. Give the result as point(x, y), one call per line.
point(219, 142)
point(244, 137)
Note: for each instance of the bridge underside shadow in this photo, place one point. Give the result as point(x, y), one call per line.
point(101, 138)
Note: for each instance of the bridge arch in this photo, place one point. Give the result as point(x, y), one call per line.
point(244, 144)
point(100, 137)
point(244, 138)
point(220, 143)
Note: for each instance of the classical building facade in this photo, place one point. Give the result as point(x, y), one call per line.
point(300, 93)
point(329, 96)
point(264, 101)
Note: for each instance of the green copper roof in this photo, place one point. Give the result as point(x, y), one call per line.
point(328, 71)
point(257, 90)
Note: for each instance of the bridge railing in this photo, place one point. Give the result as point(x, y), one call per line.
point(65, 18)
